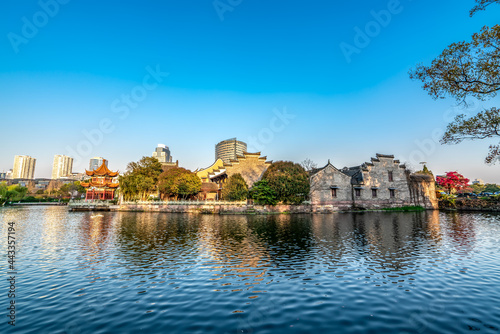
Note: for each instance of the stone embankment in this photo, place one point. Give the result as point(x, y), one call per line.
point(215, 208)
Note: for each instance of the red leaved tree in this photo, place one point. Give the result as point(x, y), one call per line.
point(452, 181)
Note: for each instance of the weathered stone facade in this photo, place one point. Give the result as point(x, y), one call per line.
point(331, 188)
point(423, 190)
point(381, 183)
point(251, 166)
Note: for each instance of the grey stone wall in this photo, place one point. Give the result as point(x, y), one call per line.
point(376, 177)
point(370, 177)
point(321, 188)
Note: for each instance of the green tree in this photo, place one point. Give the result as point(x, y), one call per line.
point(491, 188)
point(485, 124)
point(236, 189)
point(3, 192)
point(141, 178)
point(263, 194)
point(468, 70)
point(477, 188)
point(13, 193)
point(177, 182)
point(64, 190)
point(289, 180)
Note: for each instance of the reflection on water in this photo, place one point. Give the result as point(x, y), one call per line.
point(344, 273)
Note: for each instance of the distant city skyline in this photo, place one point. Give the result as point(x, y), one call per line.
point(320, 80)
point(62, 166)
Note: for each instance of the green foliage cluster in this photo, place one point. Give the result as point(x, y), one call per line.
point(263, 194)
point(13, 193)
point(177, 182)
point(468, 69)
point(488, 188)
point(289, 181)
point(236, 189)
point(448, 200)
point(69, 189)
point(425, 171)
point(141, 179)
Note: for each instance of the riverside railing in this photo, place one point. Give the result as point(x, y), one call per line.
point(182, 202)
point(185, 202)
point(89, 203)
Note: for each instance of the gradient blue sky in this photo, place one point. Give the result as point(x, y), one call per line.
point(227, 78)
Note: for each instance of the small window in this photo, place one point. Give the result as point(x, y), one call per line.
point(392, 193)
point(374, 193)
point(334, 192)
point(390, 176)
point(358, 192)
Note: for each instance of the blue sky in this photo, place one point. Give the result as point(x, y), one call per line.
point(272, 73)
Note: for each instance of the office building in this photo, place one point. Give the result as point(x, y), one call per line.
point(24, 167)
point(62, 166)
point(229, 149)
point(96, 162)
point(162, 153)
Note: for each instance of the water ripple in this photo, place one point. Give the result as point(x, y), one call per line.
point(425, 272)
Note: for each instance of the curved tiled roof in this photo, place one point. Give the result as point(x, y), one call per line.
point(103, 170)
point(107, 184)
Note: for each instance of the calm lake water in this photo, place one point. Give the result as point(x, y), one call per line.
point(425, 272)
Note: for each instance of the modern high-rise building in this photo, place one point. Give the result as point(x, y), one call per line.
point(24, 167)
point(162, 153)
point(229, 149)
point(96, 162)
point(62, 166)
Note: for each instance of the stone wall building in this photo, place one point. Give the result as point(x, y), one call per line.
point(381, 183)
point(251, 166)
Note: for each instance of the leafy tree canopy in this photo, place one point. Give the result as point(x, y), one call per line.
point(289, 180)
point(481, 5)
point(12, 193)
point(468, 69)
point(465, 69)
point(236, 189)
point(141, 178)
point(485, 124)
point(453, 181)
point(179, 182)
point(263, 194)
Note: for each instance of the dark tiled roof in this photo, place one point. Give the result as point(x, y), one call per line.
point(385, 155)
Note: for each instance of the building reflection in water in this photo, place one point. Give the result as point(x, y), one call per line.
point(461, 230)
point(95, 240)
point(232, 253)
point(235, 253)
point(389, 246)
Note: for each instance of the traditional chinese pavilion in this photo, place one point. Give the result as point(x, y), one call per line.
point(100, 185)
